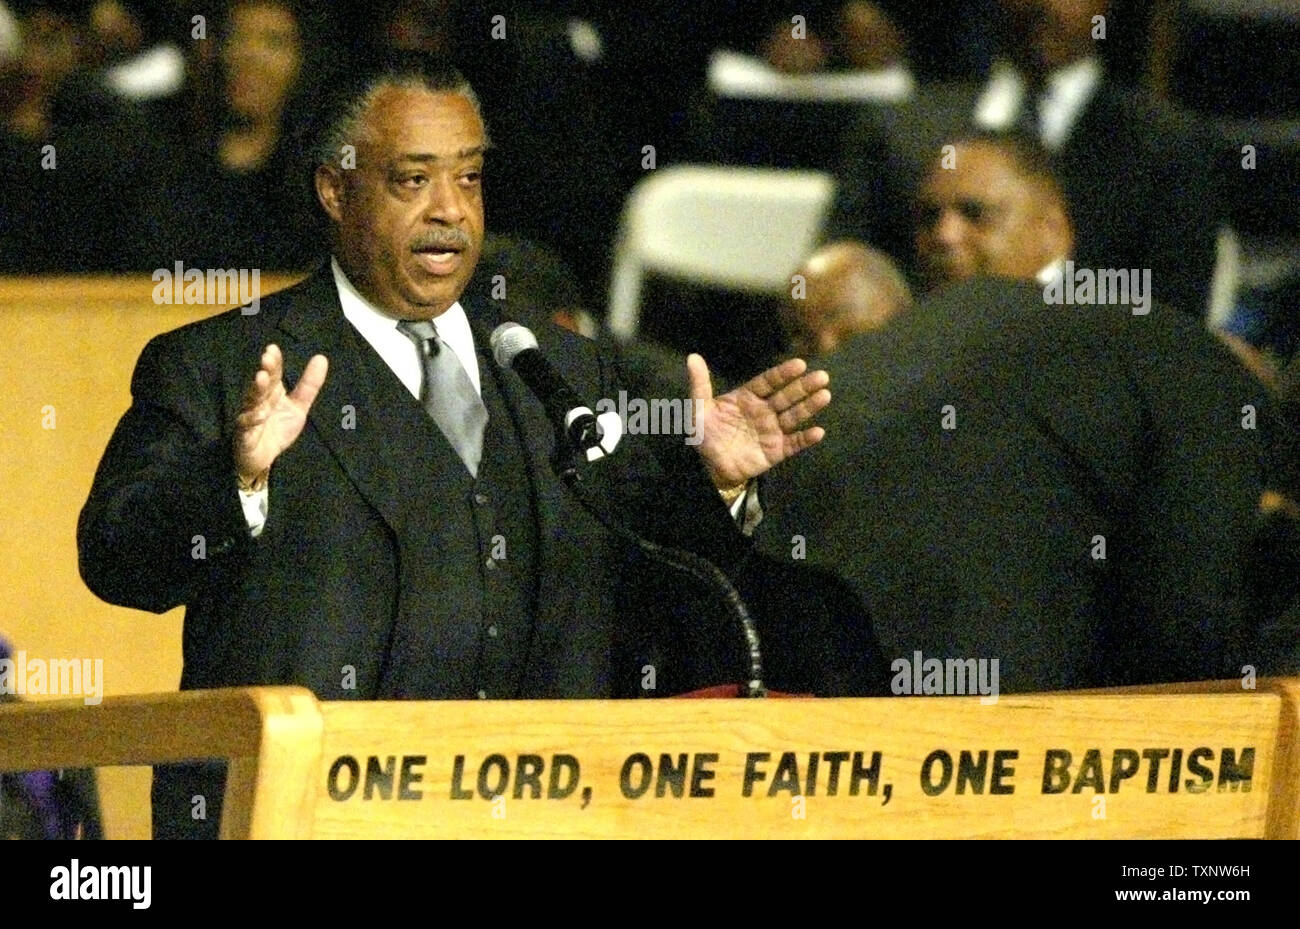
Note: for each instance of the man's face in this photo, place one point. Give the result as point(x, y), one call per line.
point(409, 216)
point(983, 217)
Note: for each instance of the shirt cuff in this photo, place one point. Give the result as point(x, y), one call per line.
point(256, 504)
point(746, 510)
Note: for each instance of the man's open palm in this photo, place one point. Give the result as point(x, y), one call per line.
point(755, 427)
point(272, 417)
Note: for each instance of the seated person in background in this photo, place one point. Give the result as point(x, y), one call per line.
point(992, 207)
point(847, 288)
point(869, 39)
point(783, 101)
point(999, 211)
point(233, 200)
point(54, 150)
point(864, 38)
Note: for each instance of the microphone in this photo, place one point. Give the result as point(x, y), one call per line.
point(515, 347)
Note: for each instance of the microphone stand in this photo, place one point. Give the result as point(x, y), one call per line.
point(706, 572)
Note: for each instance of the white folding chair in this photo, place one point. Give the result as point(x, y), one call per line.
point(744, 229)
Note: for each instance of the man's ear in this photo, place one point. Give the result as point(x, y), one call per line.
point(330, 190)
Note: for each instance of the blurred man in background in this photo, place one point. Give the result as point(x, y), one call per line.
point(995, 208)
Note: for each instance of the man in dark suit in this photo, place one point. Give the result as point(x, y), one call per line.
point(1138, 179)
point(370, 510)
point(1072, 490)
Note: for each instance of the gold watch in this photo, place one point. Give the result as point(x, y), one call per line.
point(732, 494)
point(257, 484)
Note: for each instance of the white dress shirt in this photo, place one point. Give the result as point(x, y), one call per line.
point(397, 350)
point(1065, 95)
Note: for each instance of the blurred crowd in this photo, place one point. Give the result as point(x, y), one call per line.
point(138, 133)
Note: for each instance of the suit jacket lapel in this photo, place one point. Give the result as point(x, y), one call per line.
point(362, 409)
point(529, 417)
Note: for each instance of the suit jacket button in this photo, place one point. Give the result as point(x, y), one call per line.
point(481, 499)
point(491, 564)
point(492, 631)
point(482, 694)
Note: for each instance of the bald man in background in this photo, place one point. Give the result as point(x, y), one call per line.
point(848, 288)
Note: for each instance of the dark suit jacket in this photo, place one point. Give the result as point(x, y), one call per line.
point(1139, 181)
point(1071, 423)
point(321, 588)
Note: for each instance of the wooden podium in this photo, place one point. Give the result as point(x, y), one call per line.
point(1207, 760)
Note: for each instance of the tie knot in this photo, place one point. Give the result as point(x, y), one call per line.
point(421, 332)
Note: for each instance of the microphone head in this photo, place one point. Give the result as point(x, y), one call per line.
point(508, 340)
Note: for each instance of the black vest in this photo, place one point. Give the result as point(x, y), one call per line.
point(476, 543)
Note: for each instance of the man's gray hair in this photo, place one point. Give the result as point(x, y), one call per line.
point(340, 120)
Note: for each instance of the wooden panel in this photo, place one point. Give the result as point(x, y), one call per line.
point(1225, 768)
point(1284, 804)
point(905, 731)
point(271, 737)
point(71, 345)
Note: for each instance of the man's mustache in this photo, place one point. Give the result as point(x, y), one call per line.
point(451, 239)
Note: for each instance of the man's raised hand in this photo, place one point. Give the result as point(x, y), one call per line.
point(757, 426)
point(272, 418)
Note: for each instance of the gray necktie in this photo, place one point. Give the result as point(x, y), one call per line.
point(448, 394)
